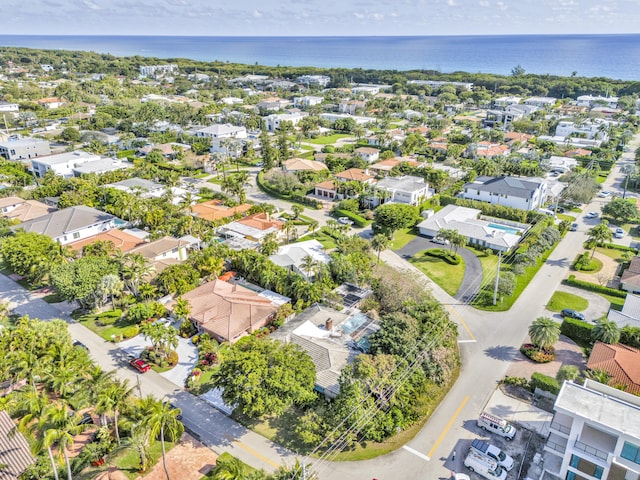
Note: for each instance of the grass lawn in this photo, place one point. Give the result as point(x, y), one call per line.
point(561, 300)
point(489, 263)
point(564, 216)
point(204, 384)
point(53, 298)
point(616, 302)
point(127, 461)
point(327, 242)
point(594, 266)
point(448, 277)
point(610, 252)
point(328, 140)
point(200, 175)
point(105, 331)
point(402, 237)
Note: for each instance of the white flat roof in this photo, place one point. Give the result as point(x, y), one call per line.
point(602, 404)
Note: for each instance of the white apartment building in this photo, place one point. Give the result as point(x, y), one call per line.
point(63, 163)
point(155, 70)
point(594, 434)
point(590, 130)
point(594, 100)
point(273, 121)
point(24, 148)
point(321, 80)
point(219, 131)
point(513, 192)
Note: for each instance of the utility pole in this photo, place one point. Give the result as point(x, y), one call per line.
point(495, 288)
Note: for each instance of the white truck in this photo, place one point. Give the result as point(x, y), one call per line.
point(491, 423)
point(482, 465)
point(493, 452)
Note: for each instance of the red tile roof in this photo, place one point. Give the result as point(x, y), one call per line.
point(121, 240)
point(619, 361)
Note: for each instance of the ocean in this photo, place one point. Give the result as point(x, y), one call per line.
point(612, 56)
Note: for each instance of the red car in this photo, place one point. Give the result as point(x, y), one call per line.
point(140, 365)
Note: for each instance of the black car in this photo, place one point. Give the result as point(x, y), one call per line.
point(567, 312)
point(573, 227)
point(78, 343)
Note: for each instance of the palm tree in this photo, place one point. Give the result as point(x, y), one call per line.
point(60, 427)
point(605, 331)
point(229, 468)
point(289, 227)
point(598, 375)
point(160, 419)
point(135, 268)
point(110, 399)
point(182, 308)
point(598, 235)
point(308, 265)
point(111, 286)
point(379, 243)
point(544, 332)
point(313, 225)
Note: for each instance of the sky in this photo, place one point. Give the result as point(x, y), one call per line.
point(318, 17)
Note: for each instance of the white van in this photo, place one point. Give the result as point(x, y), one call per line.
point(496, 425)
point(494, 453)
point(484, 466)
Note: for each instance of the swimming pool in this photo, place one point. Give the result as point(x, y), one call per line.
point(497, 226)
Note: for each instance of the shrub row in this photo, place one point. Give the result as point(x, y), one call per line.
point(544, 382)
point(294, 197)
point(499, 211)
point(593, 287)
point(357, 220)
point(577, 330)
point(447, 256)
point(622, 248)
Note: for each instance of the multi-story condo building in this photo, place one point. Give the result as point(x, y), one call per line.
point(594, 434)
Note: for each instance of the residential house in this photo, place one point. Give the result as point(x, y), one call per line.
point(588, 130)
point(384, 167)
point(274, 120)
point(24, 148)
point(322, 157)
point(274, 104)
point(505, 117)
point(514, 192)
point(562, 164)
point(487, 150)
point(511, 138)
point(139, 186)
point(252, 227)
point(167, 150)
point(368, 154)
point(495, 234)
point(594, 434)
point(294, 165)
point(591, 101)
point(503, 102)
point(15, 208)
point(541, 102)
point(214, 210)
point(359, 119)
point(51, 103)
point(121, 240)
point(436, 84)
point(406, 189)
point(158, 70)
point(70, 224)
point(319, 80)
point(317, 331)
point(630, 280)
point(307, 101)
point(630, 313)
point(352, 107)
point(570, 141)
point(293, 255)
point(15, 453)
point(355, 175)
point(327, 190)
point(100, 166)
point(163, 252)
point(62, 164)
point(367, 88)
point(8, 107)
point(228, 311)
point(219, 131)
point(578, 152)
point(621, 362)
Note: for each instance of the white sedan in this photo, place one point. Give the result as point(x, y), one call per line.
point(591, 215)
point(345, 221)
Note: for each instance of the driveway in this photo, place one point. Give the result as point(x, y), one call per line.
point(473, 268)
point(187, 357)
point(598, 305)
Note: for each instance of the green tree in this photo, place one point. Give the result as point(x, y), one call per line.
point(379, 243)
point(598, 235)
point(177, 279)
point(544, 332)
point(261, 375)
point(79, 280)
point(25, 253)
point(161, 421)
point(393, 216)
point(229, 467)
point(621, 210)
point(110, 286)
point(60, 429)
point(605, 331)
point(297, 210)
point(567, 372)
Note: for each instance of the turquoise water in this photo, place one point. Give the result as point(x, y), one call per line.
point(354, 323)
point(511, 230)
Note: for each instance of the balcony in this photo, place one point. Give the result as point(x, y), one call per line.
point(596, 443)
point(595, 452)
point(561, 423)
point(556, 444)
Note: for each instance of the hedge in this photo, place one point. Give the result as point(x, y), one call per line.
point(544, 382)
point(622, 248)
point(294, 197)
point(577, 330)
point(451, 259)
point(593, 287)
point(357, 220)
point(499, 211)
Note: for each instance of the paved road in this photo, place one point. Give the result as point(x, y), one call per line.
point(215, 429)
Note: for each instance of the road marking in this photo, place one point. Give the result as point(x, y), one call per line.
point(464, 325)
point(255, 454)
point(416, 453)
point(467, 341)
point(448, 426)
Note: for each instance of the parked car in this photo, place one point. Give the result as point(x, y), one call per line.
point(573, 227)
point(484, 466)
point(459, 476)
point(591, 215)
point(619, 233)
point(499, 426)
point(86, 420)
point(345, 221)
point(140, 365)
point(604, 194)
point(493, 452)
point(174, 407)
point(567, 312)
point(78, 343)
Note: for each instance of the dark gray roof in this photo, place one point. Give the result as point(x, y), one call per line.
point(15, 455)
point(65, 221)
point(511, 186)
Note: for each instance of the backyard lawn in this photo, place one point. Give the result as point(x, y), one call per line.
point(328, 140)
point(448, 277)
point(562, 300)
point(327, 242)
point(402, 237)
